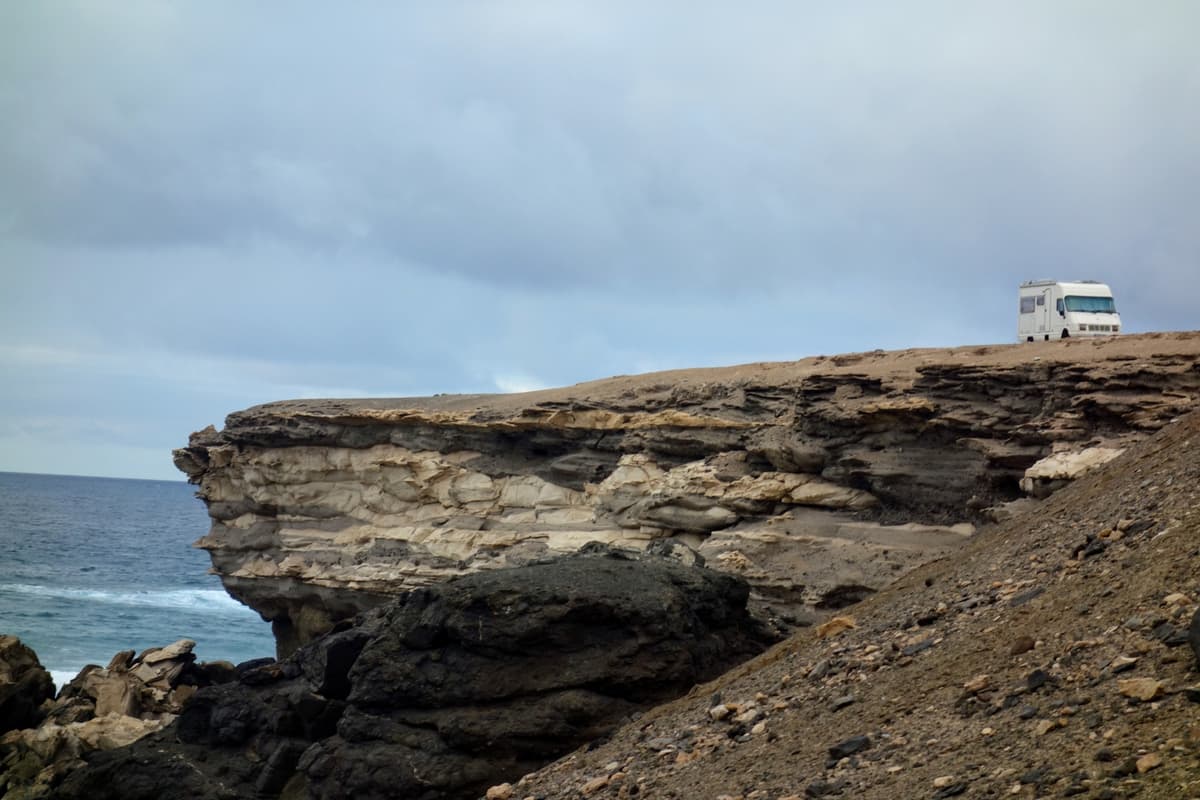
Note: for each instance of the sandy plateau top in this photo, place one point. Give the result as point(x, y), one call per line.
point(637, 392)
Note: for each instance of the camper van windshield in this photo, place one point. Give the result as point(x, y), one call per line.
point(1098, 305)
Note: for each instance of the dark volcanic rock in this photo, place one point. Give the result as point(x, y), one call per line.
point(450, 688)
point(24, 685)
point(1193, 636)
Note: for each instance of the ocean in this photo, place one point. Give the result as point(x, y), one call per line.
point(92, 566)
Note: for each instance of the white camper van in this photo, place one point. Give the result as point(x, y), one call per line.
point(1057, 310)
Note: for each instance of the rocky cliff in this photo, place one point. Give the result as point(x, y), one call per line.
point(1055, 655)
point(447, 689)
point(819, 481)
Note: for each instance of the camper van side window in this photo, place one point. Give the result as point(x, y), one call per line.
point(1027, 305)
point(1041, 299)
point(1059, 305)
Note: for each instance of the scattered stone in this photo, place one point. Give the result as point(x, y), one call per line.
point(1036, 680)
point(718, 713)
point(1034, 776)
point(1137, 527)
point(749, 716)
point(1022, 645)
point(1122, 664)
point(841, 702)
point(821, 789)
point(1148, 762)
point(1170, 635)
point(953, 790)
point(1143, 689)
point(1024, 597)
point(849, 747)
point(1045, 726)
point(942, 781)
point(1090, 547)
point(594, 785)
point(917, 647)
point(835, 626)
point(977, 684)
point(503, 791)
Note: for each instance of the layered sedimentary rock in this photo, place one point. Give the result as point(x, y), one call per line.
point(819, 480)
point(450, 688)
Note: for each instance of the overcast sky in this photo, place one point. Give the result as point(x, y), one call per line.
point(206, 205)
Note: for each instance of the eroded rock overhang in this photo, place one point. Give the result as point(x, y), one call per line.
point(819, 480)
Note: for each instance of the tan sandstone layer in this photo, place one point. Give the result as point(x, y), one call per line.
point(820, 480)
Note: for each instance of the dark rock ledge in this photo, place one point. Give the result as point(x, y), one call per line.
point(448, 689)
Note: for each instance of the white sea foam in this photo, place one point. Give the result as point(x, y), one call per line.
point(62, 677)
point(201, 600)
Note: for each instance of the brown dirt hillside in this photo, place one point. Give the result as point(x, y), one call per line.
point(1048, 658)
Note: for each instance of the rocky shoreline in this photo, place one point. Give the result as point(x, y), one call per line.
point(46, 734)
point(437, 694)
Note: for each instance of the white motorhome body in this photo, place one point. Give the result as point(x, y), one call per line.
point(1060, 309)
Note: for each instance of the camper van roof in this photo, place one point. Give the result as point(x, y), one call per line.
point(1064, 283)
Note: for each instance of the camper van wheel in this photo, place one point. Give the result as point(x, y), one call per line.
point(1029, 338)
point(1066, 334)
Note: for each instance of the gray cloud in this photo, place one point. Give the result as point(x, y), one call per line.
point(523, 143)
point(233, 203)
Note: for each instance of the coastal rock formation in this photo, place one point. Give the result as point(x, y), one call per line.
point(820, 481)
point(100, 709)
point(24, 685)
point(450, 688)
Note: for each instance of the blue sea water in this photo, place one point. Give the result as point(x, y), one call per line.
point(92, 566)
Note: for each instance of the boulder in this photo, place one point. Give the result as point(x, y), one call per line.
point(24, 685)
point(100, 709)
point(449, 689)
point(1056, 470)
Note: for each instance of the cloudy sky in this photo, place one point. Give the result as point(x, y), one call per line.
point(206, 205)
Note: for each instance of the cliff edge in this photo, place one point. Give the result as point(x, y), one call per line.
point(819, 481)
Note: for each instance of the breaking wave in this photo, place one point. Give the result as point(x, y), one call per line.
point(198, 600)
